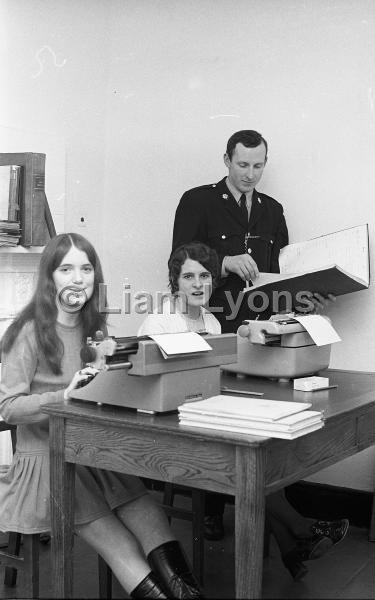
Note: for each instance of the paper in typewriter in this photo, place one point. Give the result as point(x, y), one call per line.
point(335, 263)
point(188, 342)
point(319, 329)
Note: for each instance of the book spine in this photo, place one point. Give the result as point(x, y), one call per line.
point(14, 188)
point(33, 227)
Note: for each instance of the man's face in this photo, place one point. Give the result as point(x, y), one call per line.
point(245, 168)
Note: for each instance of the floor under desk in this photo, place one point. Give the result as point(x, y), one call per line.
point(346, 572)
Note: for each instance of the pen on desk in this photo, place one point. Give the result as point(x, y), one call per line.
point(242, 392)
point(329, 387)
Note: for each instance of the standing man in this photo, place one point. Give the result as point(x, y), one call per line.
point(245, 227)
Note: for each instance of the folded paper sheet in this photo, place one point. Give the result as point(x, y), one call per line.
point(319, 328)
point(187, 342)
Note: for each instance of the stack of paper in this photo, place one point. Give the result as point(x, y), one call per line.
point(9, 233)
point(262, 417)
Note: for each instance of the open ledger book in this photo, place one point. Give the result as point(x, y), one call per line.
point(336, 263)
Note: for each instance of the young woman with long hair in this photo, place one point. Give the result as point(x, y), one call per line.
point(41, 363)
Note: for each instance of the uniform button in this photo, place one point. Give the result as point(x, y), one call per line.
point(214, 185)
point(249, 250)
point(223, 237)
point(271, 241)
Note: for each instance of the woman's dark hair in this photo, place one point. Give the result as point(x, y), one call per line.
point(42, 308)
point(203, 254)
point(248, 137)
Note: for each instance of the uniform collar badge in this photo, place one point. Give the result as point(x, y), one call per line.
point(225, 196)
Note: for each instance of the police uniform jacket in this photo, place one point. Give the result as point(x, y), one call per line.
point(211, 215)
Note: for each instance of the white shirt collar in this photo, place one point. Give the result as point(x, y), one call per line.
point(237, 194)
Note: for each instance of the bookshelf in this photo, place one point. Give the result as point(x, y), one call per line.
point(35, 218)
point(19, 264)
point(21, 249)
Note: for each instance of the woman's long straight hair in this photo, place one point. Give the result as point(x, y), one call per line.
point(42, 308)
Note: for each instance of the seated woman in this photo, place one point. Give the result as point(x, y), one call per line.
point(193, 271)
point(41, 363)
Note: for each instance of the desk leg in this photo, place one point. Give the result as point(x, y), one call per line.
point(250, 515)
point(62, 511)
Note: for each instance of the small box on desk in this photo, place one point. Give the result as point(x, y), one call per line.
point(309, 384)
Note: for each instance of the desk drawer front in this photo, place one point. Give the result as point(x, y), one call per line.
point(308, 454)
point(366, 430)
point(172, 458)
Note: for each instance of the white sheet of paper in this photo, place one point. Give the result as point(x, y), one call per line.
point(319, 328)
point(181, 343)
point(241, 407)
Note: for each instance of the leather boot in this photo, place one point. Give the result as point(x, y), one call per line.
point(148, 588)
point(169, 563)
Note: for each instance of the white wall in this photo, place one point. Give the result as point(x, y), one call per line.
point(54, 60)
point(145, 93)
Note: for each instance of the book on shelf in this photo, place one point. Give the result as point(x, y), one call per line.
point(9, 233)
point(336, 263)
point(35, 217)
point(10, 184)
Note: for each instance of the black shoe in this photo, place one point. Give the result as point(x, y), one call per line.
point(295, 566)
point(148, 588)
point(335, 530)
point(314, 547)
point(171, 567)
point(213, 527)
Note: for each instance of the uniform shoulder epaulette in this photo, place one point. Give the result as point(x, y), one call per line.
point(202, 188)
point(206, 186)
point(268, 198)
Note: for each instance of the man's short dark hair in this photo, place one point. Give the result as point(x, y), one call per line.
point(248, 137)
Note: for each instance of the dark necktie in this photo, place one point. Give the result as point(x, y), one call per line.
point(243, 207)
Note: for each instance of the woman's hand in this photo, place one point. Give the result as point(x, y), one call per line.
point(77, 377)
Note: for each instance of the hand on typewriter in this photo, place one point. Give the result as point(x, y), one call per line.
point(80, 378)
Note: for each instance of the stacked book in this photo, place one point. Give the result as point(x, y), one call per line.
point(254, 416)
point(10, 233)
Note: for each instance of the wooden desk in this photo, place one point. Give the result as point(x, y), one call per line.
point(246, 466)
